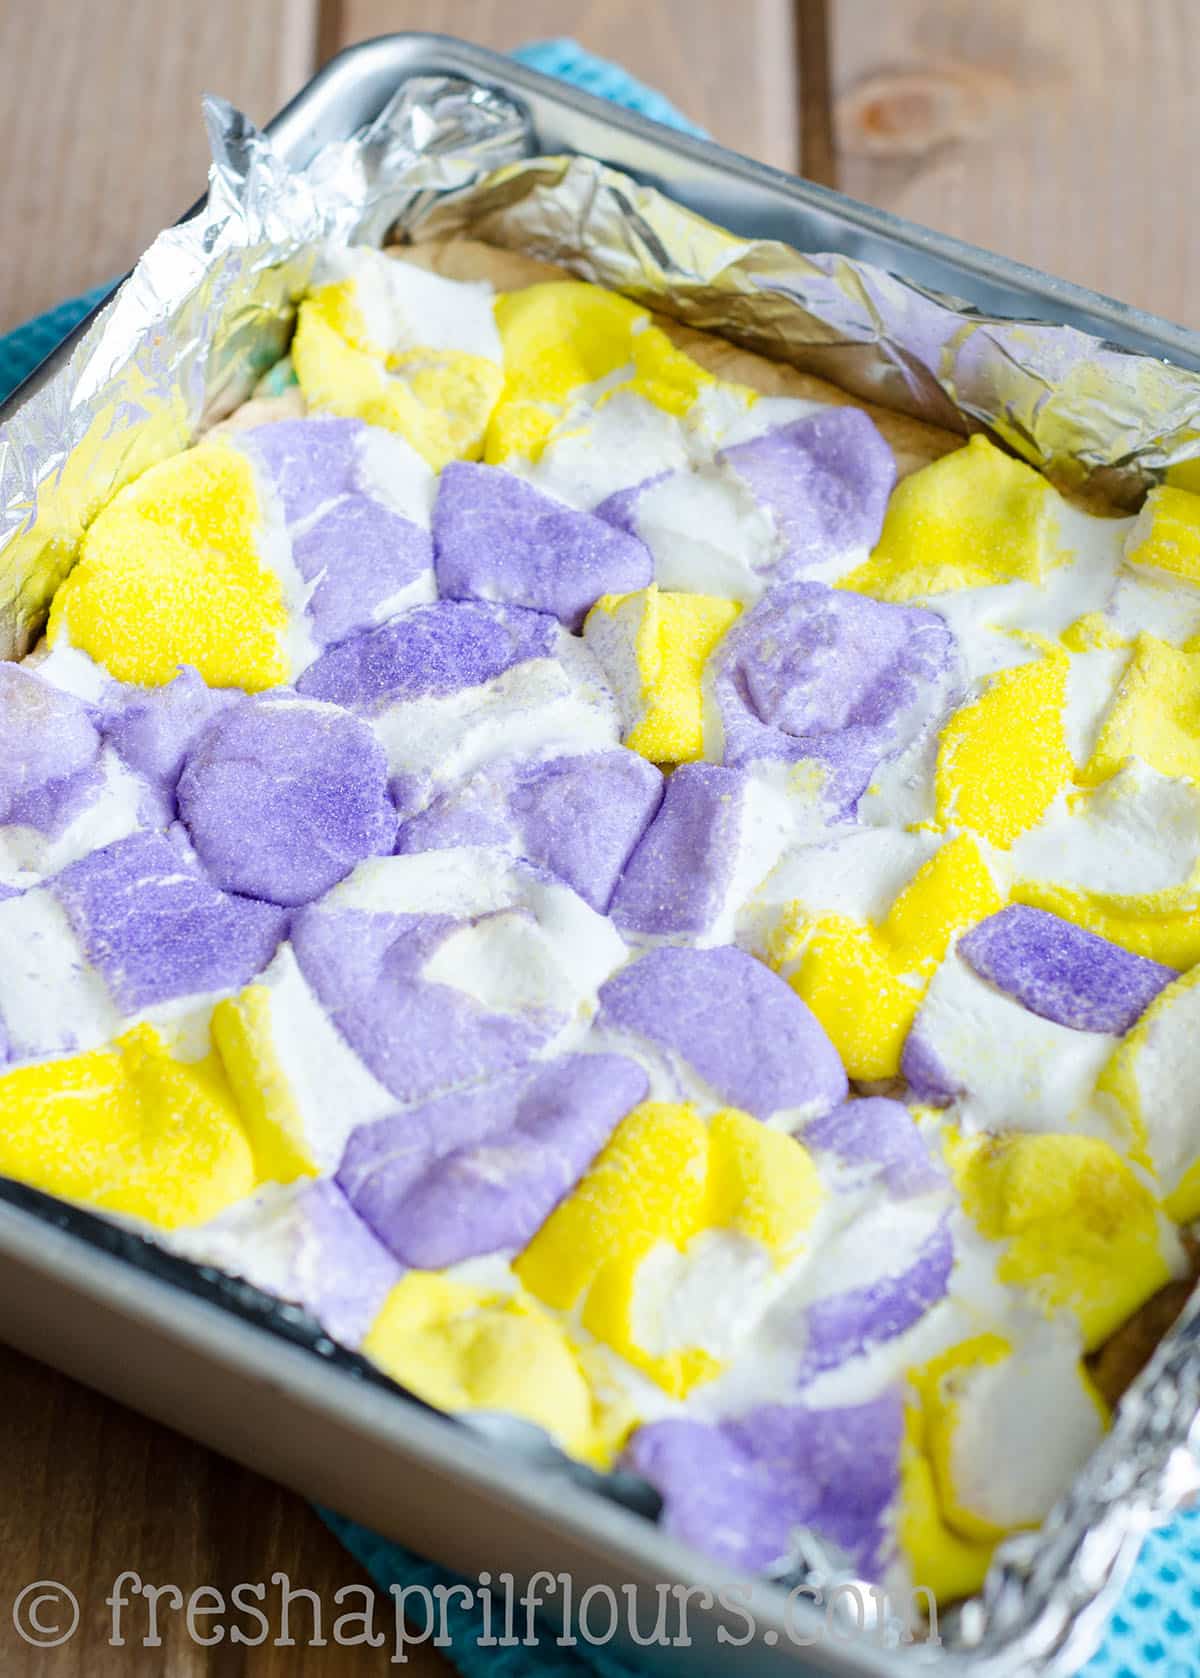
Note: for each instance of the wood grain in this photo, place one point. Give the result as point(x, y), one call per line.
point(100, 131)
point(729, 67)
point(1058, 134)
point(88, 1490)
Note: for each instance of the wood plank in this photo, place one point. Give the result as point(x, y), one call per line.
point(100, 127)
point(88, 1490)
point(1061, 135)
point(730, 68)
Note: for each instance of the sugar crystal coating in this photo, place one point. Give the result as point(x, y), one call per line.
point(481, 1170)
point(281, 799)
point(156, 929)
point(826, 480)
point(49, 748)
point(740, 1027)
point(497, 538)
point(1063, 972)
point(811, 675)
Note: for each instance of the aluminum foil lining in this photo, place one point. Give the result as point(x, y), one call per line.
point(210, 307)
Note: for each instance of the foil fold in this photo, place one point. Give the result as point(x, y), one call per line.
point(210, 308)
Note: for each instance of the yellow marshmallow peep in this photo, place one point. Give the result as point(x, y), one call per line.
point(384, 341)
point(1081, 1231)
point(564, 336)
point(1166, 536)
point(464, 1347)
point(664, 1179)
point(1155, 715)
point(1148, 1080)
point(128, 1129)
point(952, 1511)
point(171, 572)
point(654, 645)
point(973, 518)
point(865, 982)
point(1003, 759)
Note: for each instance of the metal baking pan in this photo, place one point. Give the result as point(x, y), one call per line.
point(258, 1380)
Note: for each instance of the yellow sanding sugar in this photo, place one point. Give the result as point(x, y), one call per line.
point(674, 637)
point(865, 982)
point(1081, 1231)
point(463, 1347)
point(439, 400)
point(128, 1129)
point(941, 1560)
point(1167, 534)
point(242, 1032)
point(972, 518)
point(1155, 715)
point(667, 1177)
point(1004, 759)
point(564, 335)
point(170, 573)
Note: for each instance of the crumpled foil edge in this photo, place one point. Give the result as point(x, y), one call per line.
point(210, 307)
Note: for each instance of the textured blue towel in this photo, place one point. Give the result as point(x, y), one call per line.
point(1155, 1633)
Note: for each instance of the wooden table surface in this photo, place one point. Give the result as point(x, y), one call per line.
point(1059, 134)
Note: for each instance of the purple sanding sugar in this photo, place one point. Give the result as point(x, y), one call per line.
point(498, 538)
point(282, 799)
point(877, 1137)
point(419, 1038)
point(742, 1028)
point(364, 555)
point(479, 1171)
point(739, 1489)
point(845, 1325)
point(676, 880)
point(429, 652)
point(309, 461)
point(342, 1273)
point(153, 729)
point(826, 479)
point(620, 508)
point(1063, 972)
point(156, 929)
point(835, 678)
point(581, 816)
point(922, 1068)
point(49, 751)
point(578, 817)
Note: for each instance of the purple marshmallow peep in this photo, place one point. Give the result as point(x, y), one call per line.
point(282, 798)
point(497, 538)
point(579, 817)
point(846, 1325)
point(153, 729)
point(837, 679)
point(620, 508)
point(310, 462)
point(419, 1037)
point(739, 1489)
point(877, 1138)
point(156, 929)
point(361, 554)
point(1063, 972)
point(341, 1273)
point(826, 480)
point(479, 1171)
point(924, 1071)
point(677, 879)
point(428, 653)
point(745, 1031)
point(49, 752)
